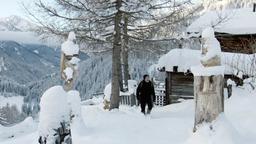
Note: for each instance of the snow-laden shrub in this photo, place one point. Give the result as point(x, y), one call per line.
point(54, 110)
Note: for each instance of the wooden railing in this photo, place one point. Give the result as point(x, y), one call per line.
point(128, 100)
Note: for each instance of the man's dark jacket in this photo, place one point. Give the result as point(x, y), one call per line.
point(145, 92)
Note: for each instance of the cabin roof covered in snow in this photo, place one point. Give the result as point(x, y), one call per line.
point(187, 58)
point(233, 21)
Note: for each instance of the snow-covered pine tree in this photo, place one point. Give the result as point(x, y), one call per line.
point(3, 117)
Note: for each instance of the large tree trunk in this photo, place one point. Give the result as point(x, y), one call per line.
point(116, 64)
point(125, 54)
point(209, 99)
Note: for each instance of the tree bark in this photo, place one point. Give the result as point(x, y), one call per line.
point(116, 64)
point(209, 98)
point(125, 55)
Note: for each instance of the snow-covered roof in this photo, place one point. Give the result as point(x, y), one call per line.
point(233, 21)
point(187, 58)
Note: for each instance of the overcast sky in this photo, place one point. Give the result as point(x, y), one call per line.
point(12, 7)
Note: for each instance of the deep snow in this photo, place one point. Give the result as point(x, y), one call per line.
point(169, 124)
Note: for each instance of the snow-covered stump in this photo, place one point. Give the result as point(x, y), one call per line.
point(209, 98)
point(208, 81)
point(54, 122)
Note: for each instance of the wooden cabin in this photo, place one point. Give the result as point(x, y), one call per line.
point(181, 85)
point(179, 82)
point(235, 29)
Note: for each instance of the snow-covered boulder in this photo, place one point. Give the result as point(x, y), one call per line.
point(54, 110)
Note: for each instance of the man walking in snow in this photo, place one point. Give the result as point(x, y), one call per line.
point(146, 94)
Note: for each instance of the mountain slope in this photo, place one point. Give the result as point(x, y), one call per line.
point(15, 23)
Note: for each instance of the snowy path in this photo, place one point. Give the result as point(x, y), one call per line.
point(129, 126)
point(169, 124)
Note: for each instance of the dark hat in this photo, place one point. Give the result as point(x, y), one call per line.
point(146, 75)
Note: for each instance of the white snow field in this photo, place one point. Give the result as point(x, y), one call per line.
point(171, 124)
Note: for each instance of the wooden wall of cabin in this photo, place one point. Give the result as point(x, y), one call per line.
point(237, 43)
point(178, 84)
point(181, 84)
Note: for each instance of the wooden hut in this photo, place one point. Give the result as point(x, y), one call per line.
point(179, 82)
point(234, 28)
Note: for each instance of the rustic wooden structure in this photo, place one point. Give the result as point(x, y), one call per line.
point(209, 98)
point(129, 100)
point(245, 43)
point(181, 85)
point(234, 28)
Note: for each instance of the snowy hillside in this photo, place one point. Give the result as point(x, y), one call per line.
point(15, 23)
point(20, 59)
point(169, 124)
point(17, 100)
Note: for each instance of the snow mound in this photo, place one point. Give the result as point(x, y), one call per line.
point(20, 129)
point(54, 109)
point(77, 123)
point(74, 102)
point(221, 131)
point(93, 101)
point(69, 47)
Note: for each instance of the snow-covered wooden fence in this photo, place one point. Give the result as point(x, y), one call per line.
point(128, 100)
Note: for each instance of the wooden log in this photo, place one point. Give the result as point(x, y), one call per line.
point(209, 98)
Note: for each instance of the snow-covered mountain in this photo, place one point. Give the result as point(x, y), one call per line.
point(15, 23)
